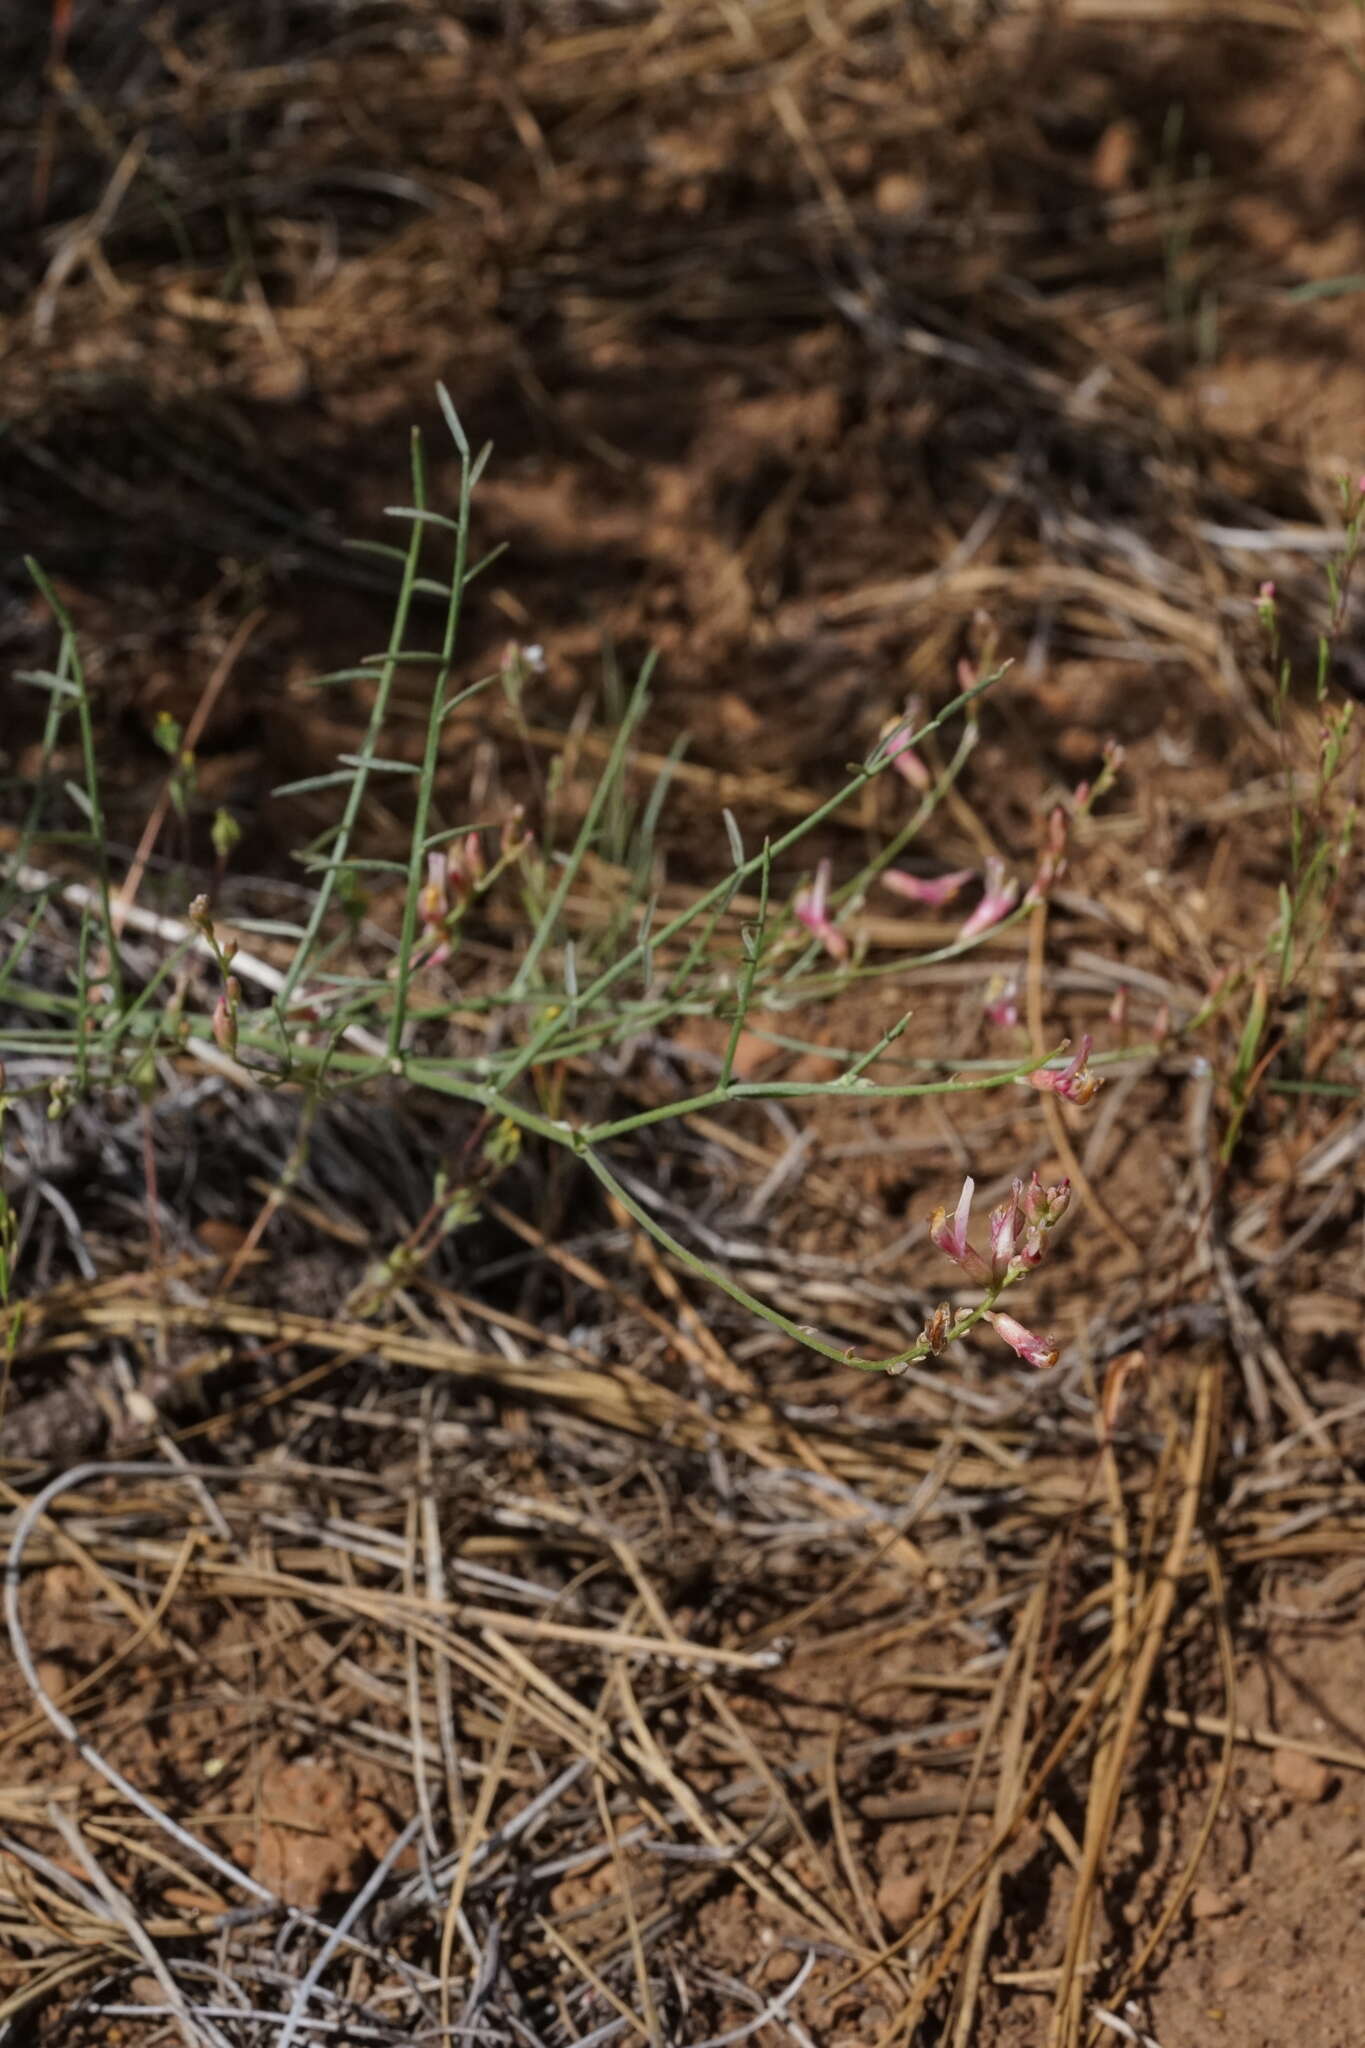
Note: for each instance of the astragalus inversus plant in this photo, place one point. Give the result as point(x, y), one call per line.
point(337, 1001)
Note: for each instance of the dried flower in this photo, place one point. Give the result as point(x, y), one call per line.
point(1074, 1081)
point(812, 908)
point(951, 1238)
point(513, 836)
point(996, 902)
point(1033, 1349)
point(200, 918)
point(931, 890)
point(225, 1016)
point(936, 1331)
point(1118, 1009)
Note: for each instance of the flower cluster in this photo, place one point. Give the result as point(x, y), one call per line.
point(451, 880)
point(454, 877)
point(1018, 1230)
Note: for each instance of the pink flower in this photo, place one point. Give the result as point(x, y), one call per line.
point(931, 890)
point(951, 1238)
point(812, 908)
point(1043, 1208)
point(1004, 1222)
point(473, 867)
point(434, 902)
point(997, 901)
point(1052, 863)
point(1002, 1001)
point(1033, 1349)
point(1074, 1081)
point(436, 911)
point(899, 751)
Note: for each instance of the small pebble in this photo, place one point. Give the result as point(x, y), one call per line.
point(1301, 1777)
point(900, 1900)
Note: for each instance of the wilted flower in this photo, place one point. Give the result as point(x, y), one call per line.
point(812, 908)
point(931, 890)
point(899, 752)
point(1074, 1081)
point(1118, 1009)
point(1033, 1349)
point(936, 1331)
point(225, 1016)
point(996, 902)
point(513, 835)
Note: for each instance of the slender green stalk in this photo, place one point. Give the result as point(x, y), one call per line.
point(302, 959)
point(70, 663)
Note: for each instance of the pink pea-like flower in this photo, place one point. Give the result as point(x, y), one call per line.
point(1005, 1219)
point(1033, 1349)
point(931, 890)
point(996, 902)
point(812, 908)
point(1043, 1208)
point(899, 752)
point(951, 1238)
point(473, 865)
point(1001, 1006)
point(1074, 1082)
point(434, 902)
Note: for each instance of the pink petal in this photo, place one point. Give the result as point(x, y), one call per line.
point(932, 890)
point(1038, 1351)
